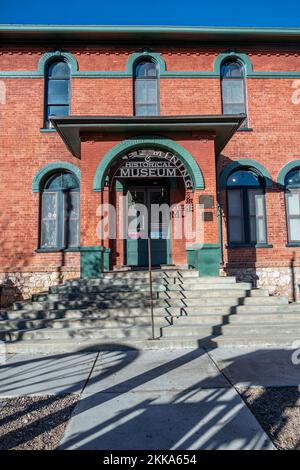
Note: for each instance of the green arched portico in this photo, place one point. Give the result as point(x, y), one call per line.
point(148, 141)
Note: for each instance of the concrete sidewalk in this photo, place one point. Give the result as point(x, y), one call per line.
point(165, 399)
point(175, 399)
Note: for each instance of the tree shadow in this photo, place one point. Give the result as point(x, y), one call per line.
point(9, 292)
point(128, 406)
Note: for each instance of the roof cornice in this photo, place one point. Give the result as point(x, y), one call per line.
point(94, 33)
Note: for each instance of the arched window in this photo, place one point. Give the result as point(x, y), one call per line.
point(57, 90)
point(146, 92)
point(246, 208)
point(60, 212)
point(233, 85)
point(292, 197)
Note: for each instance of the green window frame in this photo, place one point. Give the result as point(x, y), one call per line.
point(292, 203)
point(146, 87)
point(60, 212)
point(233, 88)
point(57, 90)
point(246, 209)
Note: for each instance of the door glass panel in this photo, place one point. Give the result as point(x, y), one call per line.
point(137, 214)
point(160, 213)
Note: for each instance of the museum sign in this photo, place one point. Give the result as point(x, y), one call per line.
point(149, 163)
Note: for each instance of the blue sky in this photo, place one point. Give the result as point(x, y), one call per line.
point(154, 12)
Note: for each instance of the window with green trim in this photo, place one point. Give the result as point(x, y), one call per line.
point(60, 212)
point(146, 88)
point(246, 208)
point(57, 90)
point(292, 198)
point(233, 85)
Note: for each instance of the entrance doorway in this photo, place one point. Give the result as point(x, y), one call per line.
point(147, 215)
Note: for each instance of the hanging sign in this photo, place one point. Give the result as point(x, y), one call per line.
point(150, 163)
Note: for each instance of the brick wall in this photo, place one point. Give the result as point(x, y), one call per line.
point(274, 140)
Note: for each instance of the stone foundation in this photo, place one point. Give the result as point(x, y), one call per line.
point(278, 280)
point(22, 285)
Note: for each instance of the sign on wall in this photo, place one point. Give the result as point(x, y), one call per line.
point(151, 163)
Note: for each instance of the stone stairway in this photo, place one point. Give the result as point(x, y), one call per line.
point(113, 312)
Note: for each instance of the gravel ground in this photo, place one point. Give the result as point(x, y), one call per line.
point(278, 411)
point(37, 423)
point(34, 423)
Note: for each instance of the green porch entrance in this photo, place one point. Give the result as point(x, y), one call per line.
point(141, 222)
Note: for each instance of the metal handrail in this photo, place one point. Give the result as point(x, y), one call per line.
point(151, 287)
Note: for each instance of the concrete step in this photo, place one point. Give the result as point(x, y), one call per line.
point(104, 282)
point(126, 304)
point(75, 313)
point(156, 273)
point(90, 322)
point(241, 330)
point(65, 289)
point(209, 313)
point(216, 319)
point(273, 308)
point(59, 346)
point(92, 296)
point(139, 331)
point(194, 294)
point(189, 307)
point(271, 300)
point(84, 312)
point(79, 304)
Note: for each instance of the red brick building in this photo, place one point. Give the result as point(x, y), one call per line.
point(203, 120)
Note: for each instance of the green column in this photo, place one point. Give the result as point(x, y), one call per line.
point(205, 258)
point(93, 261)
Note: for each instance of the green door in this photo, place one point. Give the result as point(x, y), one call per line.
point(144, 223)
point(159, 225)
point(137, 227)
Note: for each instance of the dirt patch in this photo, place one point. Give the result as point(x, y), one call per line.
point(34, 423)
point(278, 411)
